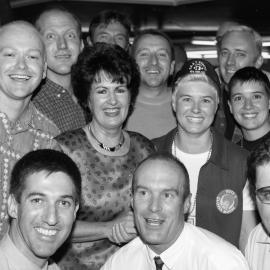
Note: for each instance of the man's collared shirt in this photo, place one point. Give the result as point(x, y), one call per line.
point(257, 251)
point(195, 249)
point(57, 104)
point(12, 259)
point(31, 131)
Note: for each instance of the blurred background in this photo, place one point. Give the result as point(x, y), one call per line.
point(191, 24)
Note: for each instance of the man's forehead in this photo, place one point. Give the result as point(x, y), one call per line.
point(25, 32)
point(56, 18)
point(239, 38)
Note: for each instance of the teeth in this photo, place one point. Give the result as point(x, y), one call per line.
point(111, 110)
point(20, 77)
point(46, 232)
point(195, 119)
point(250, 115)
point(154, 222)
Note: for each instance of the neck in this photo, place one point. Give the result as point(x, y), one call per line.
point(109, 137)
point(154, 92)
point(193, 144)
point(63, 80)
point(13, 108)
point(252, 135)
point(18, 240)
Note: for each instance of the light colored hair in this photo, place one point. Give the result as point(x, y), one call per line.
point(243, 28)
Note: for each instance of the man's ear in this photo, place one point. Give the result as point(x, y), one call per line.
point(174, 100)
point(230, 106)
point(12, 206)
point(172, 67)
point(45, 70)
point(76, 210)
point(259, 62)
point(187, 204)
point(89, 41)
point(81, 46)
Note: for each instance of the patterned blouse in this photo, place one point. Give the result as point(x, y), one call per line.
point(106, 189)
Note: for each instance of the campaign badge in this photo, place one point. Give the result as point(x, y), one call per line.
point(226, 201)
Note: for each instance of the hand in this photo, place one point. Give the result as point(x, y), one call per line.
point(123, 229)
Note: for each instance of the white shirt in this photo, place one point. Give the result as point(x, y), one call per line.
point(195, 249)
point(257, 250)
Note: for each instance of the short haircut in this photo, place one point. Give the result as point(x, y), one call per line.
point(47, 160)
point(196, 77)
point(258, 157)
point(57, 8)
point(106, 17)
point(243, 28)
point(153, 32)
point(249, 75)
point(108, 58)
point(167, 157)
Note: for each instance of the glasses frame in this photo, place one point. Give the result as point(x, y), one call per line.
point(259, 194)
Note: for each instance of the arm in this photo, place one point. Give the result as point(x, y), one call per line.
point(119, 230)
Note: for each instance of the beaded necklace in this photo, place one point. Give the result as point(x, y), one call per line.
point(105, 147)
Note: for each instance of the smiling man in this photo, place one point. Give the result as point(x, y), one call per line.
point(44, 198)
point(161, 198)
point(22, 127)
point(110, 26)
point(61, 33)
point(154, 54)
point(249, 93)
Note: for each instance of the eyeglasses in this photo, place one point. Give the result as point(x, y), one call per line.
point(263, 194)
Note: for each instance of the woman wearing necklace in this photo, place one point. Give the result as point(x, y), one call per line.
point(106, 80)
point(217, 168)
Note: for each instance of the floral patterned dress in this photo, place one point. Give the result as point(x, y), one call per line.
point(106, 189)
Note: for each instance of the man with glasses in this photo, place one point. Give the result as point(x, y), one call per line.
point(257, 249)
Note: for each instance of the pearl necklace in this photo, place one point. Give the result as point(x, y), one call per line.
point(207, 159)
point(105, 147)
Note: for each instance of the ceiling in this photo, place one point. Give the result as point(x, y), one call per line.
point(182, 20)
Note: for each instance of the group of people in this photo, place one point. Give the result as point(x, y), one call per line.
point(112, 160)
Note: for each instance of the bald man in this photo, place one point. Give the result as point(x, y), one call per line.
point(22, 127)
point(61, 33)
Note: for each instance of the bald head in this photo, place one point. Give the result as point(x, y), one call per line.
point(22, 29)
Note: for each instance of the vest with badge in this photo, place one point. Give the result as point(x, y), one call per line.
point(219, 204)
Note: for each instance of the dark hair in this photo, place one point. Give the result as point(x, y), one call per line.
point(165, 156)
point(57, 8)
point(153, 32)
point(257, 157)
point(247, 75)
point(106, 17)
point(47, 160)
point(111, 59)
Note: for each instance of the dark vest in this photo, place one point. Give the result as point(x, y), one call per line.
point(220, 185)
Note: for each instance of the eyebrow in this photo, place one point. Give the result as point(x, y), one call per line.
point(256, 92)
point(32, 194)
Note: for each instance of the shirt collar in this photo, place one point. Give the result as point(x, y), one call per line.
point(170, 255)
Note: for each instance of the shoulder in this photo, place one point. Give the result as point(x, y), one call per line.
point(227, 147)
point(215, 250)
point(140, 140)
point(164, 142)
point(128, 255)
point(43, 122)
point(70, 135)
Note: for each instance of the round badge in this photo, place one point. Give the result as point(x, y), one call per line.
point(226, 201)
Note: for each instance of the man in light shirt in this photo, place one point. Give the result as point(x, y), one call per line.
point(44, 199)
point(161, 198)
